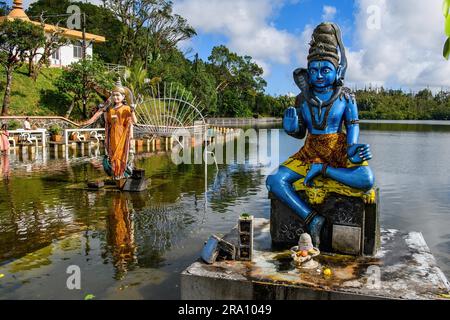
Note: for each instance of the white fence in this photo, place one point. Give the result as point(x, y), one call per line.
point(95, 133)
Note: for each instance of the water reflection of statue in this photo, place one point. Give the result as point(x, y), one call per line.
point(121, 234)
point(119, 120)
point(4, 142)
point(4, 164)
point(4, 152)
point(323, 108)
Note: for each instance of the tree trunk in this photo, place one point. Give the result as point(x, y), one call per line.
point(30, 68)
point(70, 109)
point(34, 71)
point(35, 74)
point(6, 98)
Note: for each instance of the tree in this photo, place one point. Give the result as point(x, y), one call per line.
point(239, 81)
point(171, 66)
point(203, 86)
point(99, 20)
point(230, 68)
point(40, 56)
point(4, 8)
point(148, 24)
point(166, 29)
point(135, 77)
point(17, 39)
point(424, 94)
point(88, 75)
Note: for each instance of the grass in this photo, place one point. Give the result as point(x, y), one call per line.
point(39, 98)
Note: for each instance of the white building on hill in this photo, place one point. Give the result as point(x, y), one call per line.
point(67, 54)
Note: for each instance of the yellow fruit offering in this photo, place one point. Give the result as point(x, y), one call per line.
point(327, 272)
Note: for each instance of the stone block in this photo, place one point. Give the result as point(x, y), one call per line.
point(96, 184)
point(245, 229)
point(137, 182)
point(405, 266)
point(346, 239)
point(342, 213)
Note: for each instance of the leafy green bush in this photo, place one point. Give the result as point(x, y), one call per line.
point(55, 130)
point(13, 125)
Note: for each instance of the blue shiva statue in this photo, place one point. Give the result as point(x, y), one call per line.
point(323, 108)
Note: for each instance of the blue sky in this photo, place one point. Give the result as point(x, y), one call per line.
point(402, 50)
point(391, 43)
point(292, 17)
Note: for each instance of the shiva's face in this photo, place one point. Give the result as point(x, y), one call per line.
point(118, 97)
point(322, 74)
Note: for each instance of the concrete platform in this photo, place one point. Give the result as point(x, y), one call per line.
point(404, 268)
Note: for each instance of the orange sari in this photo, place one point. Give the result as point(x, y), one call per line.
point(118, 133)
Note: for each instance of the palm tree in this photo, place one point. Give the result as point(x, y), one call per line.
point(135, 78)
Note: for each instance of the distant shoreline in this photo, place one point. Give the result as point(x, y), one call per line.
point(422, 122)
point(237, 121)
point(242, 121)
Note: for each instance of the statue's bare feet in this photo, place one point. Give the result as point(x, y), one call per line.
point(315, 228)
point(314, 171)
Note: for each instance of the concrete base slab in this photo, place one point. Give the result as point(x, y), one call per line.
point(404, 268)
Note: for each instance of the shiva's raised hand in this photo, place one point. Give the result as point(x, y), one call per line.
point(358, 153)
point(290, 120)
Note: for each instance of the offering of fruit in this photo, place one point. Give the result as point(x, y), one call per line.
point(303, 256)
point(327, 272)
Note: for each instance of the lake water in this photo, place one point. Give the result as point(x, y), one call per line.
point(134, 246)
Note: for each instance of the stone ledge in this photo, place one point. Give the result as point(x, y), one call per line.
point(407, 268)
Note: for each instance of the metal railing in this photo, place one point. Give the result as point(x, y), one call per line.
point(34, 119)
point(115, 68)
point(241, 121)
point(93, 133)
point(30, 136)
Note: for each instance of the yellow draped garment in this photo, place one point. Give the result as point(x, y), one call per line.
point(329, 149)
point(118, 133)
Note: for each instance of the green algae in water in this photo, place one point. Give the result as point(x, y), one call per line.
point(33, 260)
point(42, 257)
point(285, 255)
point(283, 261)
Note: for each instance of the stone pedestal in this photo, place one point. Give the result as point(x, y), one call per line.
point(351, 227)
point(404, 268)
point(137, 182)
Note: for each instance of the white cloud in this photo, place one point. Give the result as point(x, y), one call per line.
point(406, 50)
point(305, 39)
point(329, 13)
point(247, 25)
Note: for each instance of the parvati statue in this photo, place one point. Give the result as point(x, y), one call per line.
point(119, 119)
